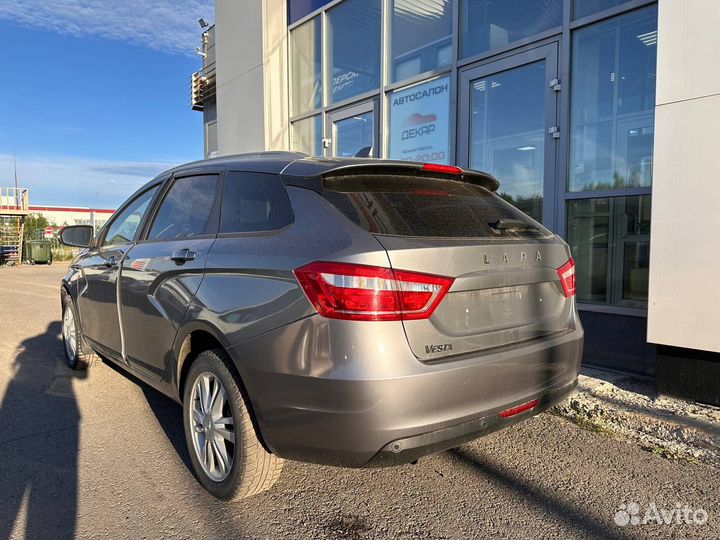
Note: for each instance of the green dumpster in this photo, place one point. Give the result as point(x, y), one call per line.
point(38, 251)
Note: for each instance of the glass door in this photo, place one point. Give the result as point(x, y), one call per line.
point(354, 131)
point(508, 126)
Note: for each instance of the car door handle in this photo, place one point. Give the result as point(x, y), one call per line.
point(183, 255)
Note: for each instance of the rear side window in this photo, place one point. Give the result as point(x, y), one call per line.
point(185, 210)
point(254, 202)
point(402, 205)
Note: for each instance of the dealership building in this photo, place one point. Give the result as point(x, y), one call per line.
point(599, 117)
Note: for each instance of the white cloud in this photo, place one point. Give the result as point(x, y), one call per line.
point(166, 25)
point(72, 181)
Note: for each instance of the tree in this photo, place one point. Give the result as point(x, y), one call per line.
point(34, 222)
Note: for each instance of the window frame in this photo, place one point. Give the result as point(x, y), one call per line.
point(562, 194)
point(211, 228)
point(102, 234)
point(290, 71)
point(616, 119)
point(265, 232)
point(316, 116)
point(390, 58)
point(615, 303)
point(327, 58)
point(547, 52)
point(511, 46)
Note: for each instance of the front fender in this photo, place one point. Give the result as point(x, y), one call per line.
point(70, 281)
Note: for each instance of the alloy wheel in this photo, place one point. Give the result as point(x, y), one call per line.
point(212, 426)
point(69, 333)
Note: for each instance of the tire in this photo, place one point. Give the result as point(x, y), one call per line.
point(77, 354)
point(246, 468)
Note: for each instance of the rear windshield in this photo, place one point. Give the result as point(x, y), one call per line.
point(409, 206)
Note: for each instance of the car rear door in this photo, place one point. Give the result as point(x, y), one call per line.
point(249, 287)
point(161, 273)
point(97, 288)
point(506, 287)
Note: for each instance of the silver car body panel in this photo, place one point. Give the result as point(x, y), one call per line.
point(504, 292)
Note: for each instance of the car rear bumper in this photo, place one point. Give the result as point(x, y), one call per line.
point(365, 400)
point(411, 448)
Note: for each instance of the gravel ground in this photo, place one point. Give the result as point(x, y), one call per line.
point(631, 409)
point(99, 455)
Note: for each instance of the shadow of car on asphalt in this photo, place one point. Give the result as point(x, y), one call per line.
point(168, 413)
point(586, 525)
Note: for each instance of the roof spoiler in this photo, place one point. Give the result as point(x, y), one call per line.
point(428, 170)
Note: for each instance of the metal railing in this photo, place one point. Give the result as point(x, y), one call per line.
point(202, 86)
point(11, 232)
point(14, 200)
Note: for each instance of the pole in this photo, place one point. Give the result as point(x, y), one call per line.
point(17, 188)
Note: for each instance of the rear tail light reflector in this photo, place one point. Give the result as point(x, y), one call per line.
point(566, 273)
point(371, 293)
point(512, 411)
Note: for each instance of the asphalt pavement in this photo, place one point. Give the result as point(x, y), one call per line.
point(97, 454)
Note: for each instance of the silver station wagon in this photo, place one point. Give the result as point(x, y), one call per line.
point(349, 312)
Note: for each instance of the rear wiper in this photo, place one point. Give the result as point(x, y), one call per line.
point(512, 225)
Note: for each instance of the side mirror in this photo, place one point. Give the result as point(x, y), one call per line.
point(77, 235)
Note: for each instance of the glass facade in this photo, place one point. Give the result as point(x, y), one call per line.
point(354, 136)
point(494, 24)
point(507, 133)
point(307, 135)
point(575, 153)
point(610, 241)
point(583, 8)
point(421, 37)
point(420, 122)
point(612, 113)
point(353, 49)
point(306, 66)
point(297, 9)
point(613, 103)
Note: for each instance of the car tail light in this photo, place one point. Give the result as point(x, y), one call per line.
point(567, 277)
point(371, 293)
point(446, 169)
point(512, 411)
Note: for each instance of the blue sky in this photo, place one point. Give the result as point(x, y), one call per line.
point(95, 95)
